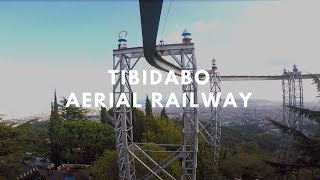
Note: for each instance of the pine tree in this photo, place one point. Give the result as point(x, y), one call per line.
point(148, 108)
point(104, 116)
point(54, 125)
point(54, 116)
point(163, 113)
point(56, 109)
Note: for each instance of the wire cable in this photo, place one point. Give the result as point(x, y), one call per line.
point(165, 21)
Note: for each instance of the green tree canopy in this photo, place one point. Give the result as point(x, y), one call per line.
point(19, 146)
point(162, 131)
point(138, 120)
point(86, 139)
point(71, 112)
point(106, 166)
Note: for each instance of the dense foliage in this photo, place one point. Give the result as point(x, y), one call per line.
point(77, 140)
point(20, 145)
point(106, 167)
point(83, 141)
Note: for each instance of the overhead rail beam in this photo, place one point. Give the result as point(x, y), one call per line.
point(175, 49)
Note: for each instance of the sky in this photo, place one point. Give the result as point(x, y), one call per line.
point(67, 46)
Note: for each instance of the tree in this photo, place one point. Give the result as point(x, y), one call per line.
point(162, 132)
point(104, 115)
point(54, 116)
point(309, 146)
point(163, 113)
point(54, 125)
point(148, 108)
point(150, 124)
point(106, 166)
point(83, 141)
point(71, 112)
point(138, 120)
point(206, 166)
point(110, 114)
point(10, 150)
point(19, 146)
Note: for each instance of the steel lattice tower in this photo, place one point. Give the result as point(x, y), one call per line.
point(292, 96)
point(126, 59)
point(123, 119)
point(292, 89)
point(211, 131)
point(190, 118)
point(297, 97)
point(215, 117)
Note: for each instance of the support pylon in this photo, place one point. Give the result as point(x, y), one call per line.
point(211, 130)
point(190, 119)
point(292, 96)
point(123, 119)
point(215, 126)
point(126, 59)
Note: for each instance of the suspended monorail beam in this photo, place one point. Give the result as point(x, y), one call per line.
point(150, 12)
point(175, 49)
point(261, 78)
point(154, 53)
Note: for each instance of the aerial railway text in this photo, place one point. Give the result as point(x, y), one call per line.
point(154, 77)
point(97, 99)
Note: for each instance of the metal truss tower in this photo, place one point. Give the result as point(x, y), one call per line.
point(297, 97)
point(215, 125)
point(292, 96)
point(190, 117)
point(292, 89)
point(211, 131)
point(125, 59)
point(123, 117)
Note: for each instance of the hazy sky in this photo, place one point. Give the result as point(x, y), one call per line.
point(68, 45)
